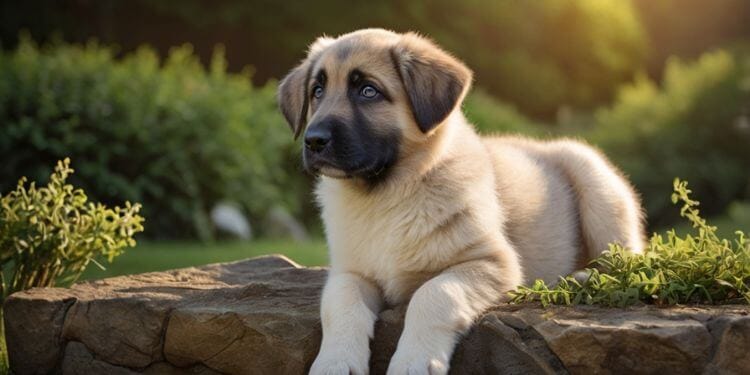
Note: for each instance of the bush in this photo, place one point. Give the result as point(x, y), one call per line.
point(170, 134)
point(50, 234)
point(695, 125)
point(537, 55)
point(698, 268)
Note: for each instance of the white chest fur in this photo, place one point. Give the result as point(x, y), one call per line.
point(400, 238)
point(368, 236)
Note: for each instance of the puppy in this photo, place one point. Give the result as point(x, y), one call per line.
point(418, 208)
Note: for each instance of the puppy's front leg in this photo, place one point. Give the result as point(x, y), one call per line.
point(348, 310)
point(444, 307)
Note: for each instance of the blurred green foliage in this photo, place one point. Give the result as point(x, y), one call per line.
point(695, 124)
point(539, 55)
point(50, 234)
point(688, 28)
point(491, 116)
point(170, 134)
point(536, 55)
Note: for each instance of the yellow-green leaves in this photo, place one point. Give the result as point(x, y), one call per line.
point(50, 234)
point(696, 268)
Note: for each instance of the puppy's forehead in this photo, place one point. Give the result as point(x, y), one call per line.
point(366, 51)
point(364, 41)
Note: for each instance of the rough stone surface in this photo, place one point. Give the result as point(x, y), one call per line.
point(260, 316)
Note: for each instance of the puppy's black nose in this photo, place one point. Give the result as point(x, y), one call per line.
point(317, 138)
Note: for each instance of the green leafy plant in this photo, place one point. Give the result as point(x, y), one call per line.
point(696, 268)
point(50, 234)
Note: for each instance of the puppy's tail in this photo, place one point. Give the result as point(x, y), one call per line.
point(610, 210)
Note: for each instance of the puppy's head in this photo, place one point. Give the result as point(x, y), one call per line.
point(364, 99)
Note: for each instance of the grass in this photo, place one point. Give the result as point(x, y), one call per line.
point(160, 256)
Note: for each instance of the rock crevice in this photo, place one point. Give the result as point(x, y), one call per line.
point(260, 316)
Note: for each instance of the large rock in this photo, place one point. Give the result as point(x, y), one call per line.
point(260, 316)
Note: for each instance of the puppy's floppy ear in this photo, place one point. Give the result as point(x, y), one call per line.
point(293, 95)
point(435, 81)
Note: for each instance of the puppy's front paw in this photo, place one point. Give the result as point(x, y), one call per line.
point(332, 368)
point(410, 362)
point(339, 363)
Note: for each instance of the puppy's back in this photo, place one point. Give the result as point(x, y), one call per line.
point(538, 204)
point(583, 194)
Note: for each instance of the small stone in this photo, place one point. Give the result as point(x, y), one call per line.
point(227, 218)
point(282, 224)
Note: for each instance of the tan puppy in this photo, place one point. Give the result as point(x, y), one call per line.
point(419, 209)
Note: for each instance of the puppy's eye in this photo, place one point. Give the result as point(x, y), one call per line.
point(368, 92)
point(317, 91)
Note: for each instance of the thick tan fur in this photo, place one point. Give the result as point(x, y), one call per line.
point(459, 220)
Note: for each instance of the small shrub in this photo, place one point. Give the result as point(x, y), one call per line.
point(697, 268)
point(50, 234)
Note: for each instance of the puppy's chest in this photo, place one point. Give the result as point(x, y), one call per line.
point(378, 246)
